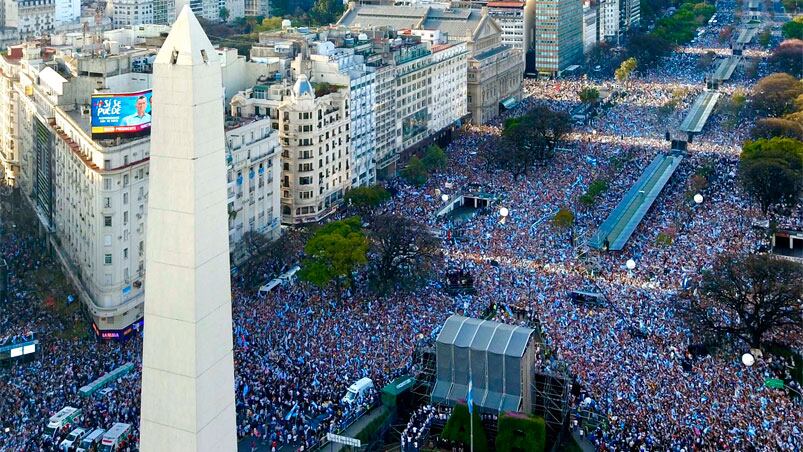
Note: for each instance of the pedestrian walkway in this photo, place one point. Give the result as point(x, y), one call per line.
point(623, 220)
point(699, 112)
point(726, 68)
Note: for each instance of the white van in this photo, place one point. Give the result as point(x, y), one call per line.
point(357, 390)
point(91, 441)
point(71, 441)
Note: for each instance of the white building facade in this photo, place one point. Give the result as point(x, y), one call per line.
point(129, 13)
point(253, 157)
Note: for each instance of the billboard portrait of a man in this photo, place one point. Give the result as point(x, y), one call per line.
point(139, 117)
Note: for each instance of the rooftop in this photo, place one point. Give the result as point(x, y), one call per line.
point(457, 23)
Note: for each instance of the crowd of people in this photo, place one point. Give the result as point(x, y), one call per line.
point(299, 348)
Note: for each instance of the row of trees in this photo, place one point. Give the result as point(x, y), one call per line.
point(398, 252)
point(771, 166)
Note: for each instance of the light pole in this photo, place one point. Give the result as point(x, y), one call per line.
point(748, 360)
point(445, 197)
point(630, 264)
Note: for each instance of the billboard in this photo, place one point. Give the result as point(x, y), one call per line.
point(121, 113)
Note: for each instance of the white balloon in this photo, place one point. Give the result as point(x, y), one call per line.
point(631, 264)
point(504, 212)
point(445, 197)
point(748, 359)
point(698, 198)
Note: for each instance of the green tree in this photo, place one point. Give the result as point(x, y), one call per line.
point(771, 170)
point(334, 252)
point(775, 94)
point(517, 432)
point(405, 252)
point(794, 28)
point(364, 198)
point(595, 189)
point(223, 13)
point(589, 95)
point(749, 296)
point(434, 158)
point(563, 219)
point(788, 57)
point(777, 127)
point(534, 137)
point(626, 69)
point(415, 173)
point(764, 37)
point(458, 429)
point(326, 12)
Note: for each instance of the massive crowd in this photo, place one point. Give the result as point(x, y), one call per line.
point(298, 349)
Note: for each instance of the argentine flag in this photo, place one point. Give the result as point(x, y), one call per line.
point(470, 399)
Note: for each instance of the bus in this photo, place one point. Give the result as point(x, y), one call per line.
point(67, 416)
point(115, 438)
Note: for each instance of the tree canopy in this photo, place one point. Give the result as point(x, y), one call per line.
point(775, 94)
point(458, 429)
point(626, 69)
point(794, 28)
point(529, 139)
point(772, 170)
point(749, 296)
point(334, 252)
point(788, 57)
point(589, 95)
point(366, 197)
point(777, 127)
point(434, 158)
point(415, 173)
point(517, 432)
point(405, 252)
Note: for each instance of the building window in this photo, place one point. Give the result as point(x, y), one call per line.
point(107, 259)
point(107, 221)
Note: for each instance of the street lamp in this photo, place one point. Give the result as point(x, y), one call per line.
point(444, 197)
point(503, 212)
point(630, 264)
point(698, 199)
point(748, 360)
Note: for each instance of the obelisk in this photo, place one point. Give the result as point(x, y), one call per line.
point(187, 362)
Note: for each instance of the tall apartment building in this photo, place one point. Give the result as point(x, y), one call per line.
point(342, 67)
point(590, 33)
point(89, 192)
point(129, 13)
point(31, 18)
point(617, 17)
point(164, 11)
point(515, 18)
point(67, 11)
point(314, 135)
point(256, 8)
point(494, 70)
point(253, 156)
point(558, 35)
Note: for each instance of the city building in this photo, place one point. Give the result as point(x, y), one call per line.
point(589, 27)
point(314, 135)
point(90, 190)
point(515, 18)
point(163, 11)
point(494, 70)
point(256, 8)
point(31, 18)
point(253, 158)
point(617, 17)
point(187, 350)
point(129, 13)
point(558, 35)
point(67, 11)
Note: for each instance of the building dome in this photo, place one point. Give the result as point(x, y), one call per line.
point(303, 87)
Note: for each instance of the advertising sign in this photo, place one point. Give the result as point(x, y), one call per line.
point(121, 113)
